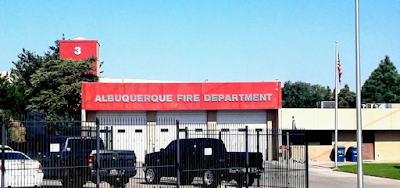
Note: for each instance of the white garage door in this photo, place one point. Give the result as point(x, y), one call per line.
point(129, 131)
point(231, 122)
point(166, 129)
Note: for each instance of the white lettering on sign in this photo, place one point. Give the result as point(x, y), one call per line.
point(140, 98)
point(117, 98)
point(207, 98)
point(184, 98)
point(125, 98)
point(146, 98)
point(110, 98)
point(77, 50)
point(196, 98)
point(188, 98)
point(214, 98)
point(234, 98)
point(134, 98)
point(238, 98)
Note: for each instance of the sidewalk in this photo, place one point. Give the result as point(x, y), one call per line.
point(331, 164)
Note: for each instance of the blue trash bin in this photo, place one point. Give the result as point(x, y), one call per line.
point(340, 155)
point(352, 151)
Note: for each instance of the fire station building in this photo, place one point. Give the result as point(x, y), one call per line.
point(257, 105)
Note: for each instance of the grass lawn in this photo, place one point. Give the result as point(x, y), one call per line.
point(386, 170)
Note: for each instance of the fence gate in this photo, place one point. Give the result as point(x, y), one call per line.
point(186, 154)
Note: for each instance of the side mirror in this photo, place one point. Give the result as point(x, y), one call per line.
point(68, 149)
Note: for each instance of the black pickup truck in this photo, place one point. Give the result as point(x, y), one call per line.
point(69, 159)
point(116, 167)
point(202, 157)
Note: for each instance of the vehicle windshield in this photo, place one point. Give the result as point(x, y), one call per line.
point(80, 144)
point(171, 146)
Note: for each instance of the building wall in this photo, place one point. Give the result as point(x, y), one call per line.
point(323, 152)
point(384, 122)
point(319, 152)
point(324, 119)
point(387, 146)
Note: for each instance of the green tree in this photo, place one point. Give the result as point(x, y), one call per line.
point(57, 85)
point(8, 97)
point(383, 85)
point(27, 64)
point(303, 95)
point(347, 98)
point(48, 83)
point(4, 83)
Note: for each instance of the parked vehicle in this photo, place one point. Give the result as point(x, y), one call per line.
point(116, 166)
point(6, 148)
point(21, 170)
point(202, 157)
point(237, 167)
point(69, 159)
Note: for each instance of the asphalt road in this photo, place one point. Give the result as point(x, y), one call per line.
point(321, 175)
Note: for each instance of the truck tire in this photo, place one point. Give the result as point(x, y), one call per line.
point(242, 181)
point(71, 178)
point(251, 181)
point(211, 179)
point(119, 182)
point(152, 176)
point(186, 179)
point(65, 179)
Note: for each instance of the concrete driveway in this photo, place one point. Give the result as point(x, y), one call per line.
point(322, 175)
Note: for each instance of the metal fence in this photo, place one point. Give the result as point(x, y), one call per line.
point(132, 152)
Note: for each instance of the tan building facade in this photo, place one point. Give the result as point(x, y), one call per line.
point(381, 131)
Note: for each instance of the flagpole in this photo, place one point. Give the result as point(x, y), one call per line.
point(360, 172)
point(336, 105)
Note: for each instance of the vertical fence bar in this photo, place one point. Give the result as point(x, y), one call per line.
point(177, 154)
point(107, 139)
point(287, 158)
point(247, 157)
point(111, 140)
point(258, 151)
point(3, 140)
point(97, 153)
point(307, 170)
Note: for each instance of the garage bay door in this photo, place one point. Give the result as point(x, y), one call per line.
point(129, 131)
point(232, 121)
point(165, 130)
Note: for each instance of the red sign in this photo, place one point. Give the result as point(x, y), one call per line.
point(79, 50)
point(181, 96)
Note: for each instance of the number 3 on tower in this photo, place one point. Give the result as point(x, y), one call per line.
point(77, 50)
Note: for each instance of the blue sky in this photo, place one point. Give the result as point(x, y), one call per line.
point(218, 41)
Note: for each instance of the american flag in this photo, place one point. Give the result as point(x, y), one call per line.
point(339, 66)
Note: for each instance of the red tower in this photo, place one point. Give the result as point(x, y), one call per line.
point(79, 49)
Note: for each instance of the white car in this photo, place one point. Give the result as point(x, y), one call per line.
point(20, 170)
point(6, 148)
